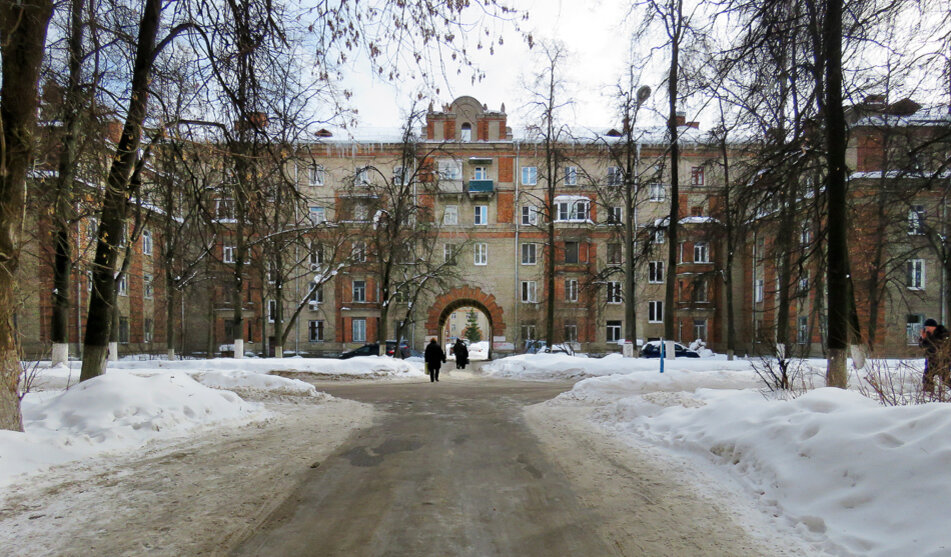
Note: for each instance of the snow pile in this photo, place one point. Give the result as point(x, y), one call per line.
point(847, 474)
point(370, 366)
point(247, 383)
point(562, 366)
point(111, 412)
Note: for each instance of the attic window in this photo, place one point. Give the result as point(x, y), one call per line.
point(323, 132)
point(465, 133)
point(613, 133)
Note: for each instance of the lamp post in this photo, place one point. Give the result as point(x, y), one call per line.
point(632, 152)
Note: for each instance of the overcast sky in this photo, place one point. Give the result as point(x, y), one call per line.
point(591, 31)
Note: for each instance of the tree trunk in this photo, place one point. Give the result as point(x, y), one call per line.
point(170, 311)
point(115, 203)
point(674, 217)
point(838, 301)
point(22, 38)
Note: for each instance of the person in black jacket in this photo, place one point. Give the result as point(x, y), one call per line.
point(461, 353)
point(434, 359)
point(934, 339)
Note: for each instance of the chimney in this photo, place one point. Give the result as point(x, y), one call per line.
point(694, 125)
point(681, 118)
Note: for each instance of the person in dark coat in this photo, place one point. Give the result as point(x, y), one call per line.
point(935, 341)
point(461, 353)
point(434, 359)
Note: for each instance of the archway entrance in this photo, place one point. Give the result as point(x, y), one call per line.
point(464, 299)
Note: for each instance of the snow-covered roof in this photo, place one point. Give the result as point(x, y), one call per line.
point(925, 116)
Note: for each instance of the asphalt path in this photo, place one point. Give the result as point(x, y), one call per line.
point(448, 468)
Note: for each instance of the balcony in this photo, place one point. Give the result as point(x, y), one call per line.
point(480, 186)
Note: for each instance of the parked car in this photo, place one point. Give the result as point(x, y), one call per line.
point(365, 350)
point(391, 349)
point(652, 350)
point(534, 346)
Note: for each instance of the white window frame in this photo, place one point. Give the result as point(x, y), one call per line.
point(701, 290)
point(480, 215)
point(529, 253)
point(465, 132)
point(913, 327)
point(358, 325)
point(529, 215)
point(147, 326)
point(700, 328)
point(318, 215)
point(358, 291)
point(571, 332)
point(612, 330)
point(615, 215)
point(802, 329)
point(360, 251)
point(450, 252)
point(615, 176)
point(481, 173)
point(655, 272)
point(315, 174)
point(575, 210)
point(655, 311)
point(701, 252)
point(529, 175)
point(123, 284)
point(315, 330)
point(271, 310)
point(400, 175)
point(915, 274)
point(571, 290)
point(449, 169)
point(529, 292)
point(614, 295)
point(615, 258)
point(146, 242)
point(480, 253)
point(148, 291)
point(571, 175)
point(658, 192)
point(916, 218)
point(658, 236)
point(361, 176)
point(696, 175)
point(450, 215)
point(759, 290)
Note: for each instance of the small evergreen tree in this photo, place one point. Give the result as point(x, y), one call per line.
point(472, 331)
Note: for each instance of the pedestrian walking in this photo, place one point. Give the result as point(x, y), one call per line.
point(434, 359)
point(461, 353)
point(934, 340)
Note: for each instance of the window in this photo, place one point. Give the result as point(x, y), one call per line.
point(271, 311)
point(913, 326)
point(228, 254)
point(614, 254)
point(613, 331)
point(804, 283)
point(571, 252)
point(480, 253)
point(696, 175)
point(88, 281)
point(359, 251)
point(361, 211)
point(529, 215)
point(317, 296)
point(450, 169)
point(572, 210)
point(615, 176)
point(147, 288)
point(315, 330)
point(359, 329)
point(529, 175)
point(916, 274)
point(481, 215)
point(700, 290)
point(655, 272)
point(657, 192)
point(400, 175)
point(147, 329)
point(451, 215)
point(92, 228)
point(124, 330)
point(224, 209)
point(318, 215)
point(802, 329)
point(146, 242)
point(571, 175)
point(123, 285)
point(359, 291)
point(449, 253)
point(316, 255)
point(657, 236)
point(529, 254)
point(481, 173)
point(571, 290)
point(614, 215)
point(615, 294)
point(362, 176)
point(571, 332)
point(758, 289)
point(700, 328)
point(316, 175)
point(701, 253)
point(655, 311)
point(916, 218)
point(528, 331)
point(529, 291)
point(465, 132)
point(805, 235)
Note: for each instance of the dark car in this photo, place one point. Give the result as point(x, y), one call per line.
point(365, 350)
point(391, 349)
point(652, 350)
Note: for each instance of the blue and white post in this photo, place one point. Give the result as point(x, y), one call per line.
point(663, 356)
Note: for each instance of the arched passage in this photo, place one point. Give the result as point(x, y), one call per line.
point(457, 298)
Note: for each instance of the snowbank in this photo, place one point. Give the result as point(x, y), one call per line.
point(370, 366)
point(562, 366)
point(112, 412)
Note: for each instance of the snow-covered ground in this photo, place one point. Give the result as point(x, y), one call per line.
point(832, 466)
point(138, 401)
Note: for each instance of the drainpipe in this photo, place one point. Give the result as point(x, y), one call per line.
point(518, 222)
point(753, 304)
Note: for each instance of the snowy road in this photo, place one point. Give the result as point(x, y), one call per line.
point(454, 468)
